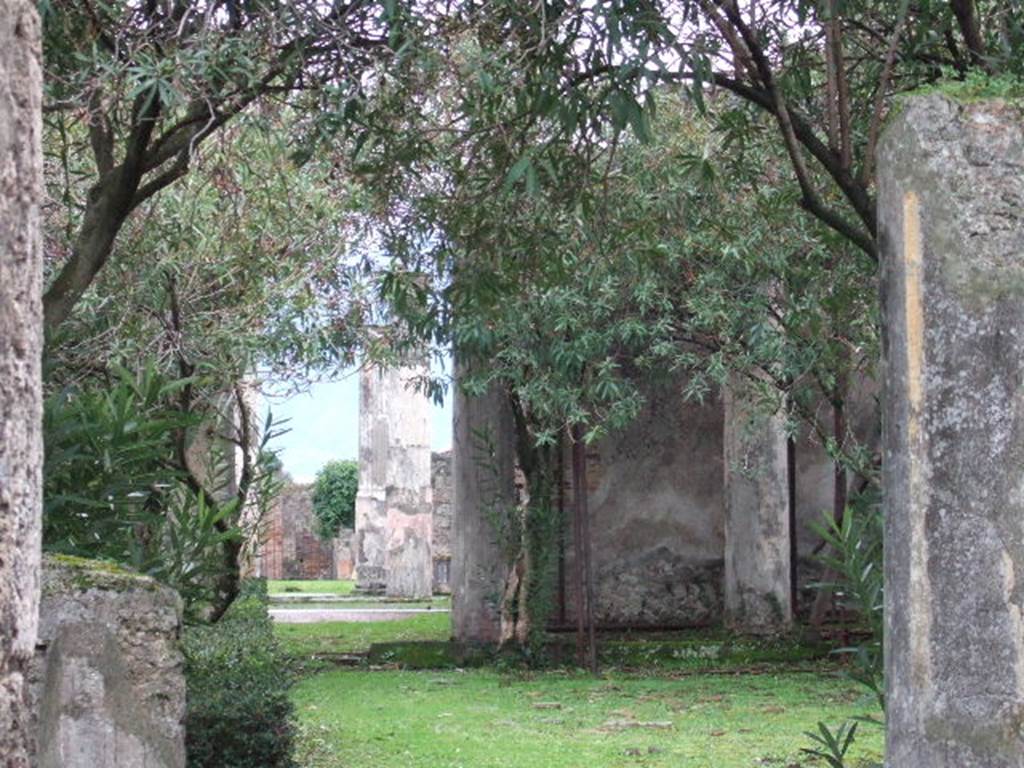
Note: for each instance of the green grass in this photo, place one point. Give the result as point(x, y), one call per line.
point(325, 587)
point(483, 719)
point(349, 637)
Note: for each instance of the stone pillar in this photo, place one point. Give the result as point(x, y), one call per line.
point(393, 504)
point(951, 202)
point(371, 498)
point(483, 467)
point(21, 341)
point(758, 599)
point(410, 511)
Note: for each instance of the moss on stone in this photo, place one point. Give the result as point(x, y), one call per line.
point(63, 573)
point(978, 88)
point(975, 89)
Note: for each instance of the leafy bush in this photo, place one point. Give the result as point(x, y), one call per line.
point(856, 558)
point(108, 462)
point(239, 713)
point(116, 486)
point(334, 497)
point(831, 747)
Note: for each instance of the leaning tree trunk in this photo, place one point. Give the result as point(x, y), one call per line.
point(20, 372)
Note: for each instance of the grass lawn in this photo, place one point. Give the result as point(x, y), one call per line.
point(324, 587)
point(485, 719)
point(348, 637)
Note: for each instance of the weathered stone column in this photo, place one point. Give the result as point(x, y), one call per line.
point(393, 504)
point(758, 599)
point(951, 202)
point(483, 457)
point(410, 509)
point(371, 499)
point(21, 341)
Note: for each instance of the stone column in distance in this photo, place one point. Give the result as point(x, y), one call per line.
point(758, 598)
point(483, 469)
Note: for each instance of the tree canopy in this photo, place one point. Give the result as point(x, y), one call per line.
point(334, 497)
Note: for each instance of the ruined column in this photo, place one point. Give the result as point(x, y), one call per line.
point(393, 504)
point(758, 598)
point(21, 341)
point(951, 201)
point(483, 457)
point(371, 498)
point(410, 509)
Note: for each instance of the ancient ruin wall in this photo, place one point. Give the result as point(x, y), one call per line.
point(107, 682)
point(292, 548)
point(658, 506)
point(657, 516)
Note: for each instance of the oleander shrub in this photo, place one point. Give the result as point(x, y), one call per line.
point(239, 713)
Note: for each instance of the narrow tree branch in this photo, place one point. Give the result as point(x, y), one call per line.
point(168, 177)
point(811, 199)
point(100, 136)
point(805, 134)
point(867, 169)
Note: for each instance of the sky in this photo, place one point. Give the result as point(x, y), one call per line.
point(323, 425)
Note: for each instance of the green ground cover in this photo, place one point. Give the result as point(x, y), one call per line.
point(326, 587)
point(485, 719)
point(333, 637)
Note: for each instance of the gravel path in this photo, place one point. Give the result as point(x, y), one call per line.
point(315, 616)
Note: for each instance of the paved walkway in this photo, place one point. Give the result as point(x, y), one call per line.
point(317, 615)
point(323, 597)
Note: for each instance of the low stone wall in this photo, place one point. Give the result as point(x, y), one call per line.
point(107, 682)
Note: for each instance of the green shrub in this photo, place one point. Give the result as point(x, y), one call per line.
point(239, 713)
point(334, 497)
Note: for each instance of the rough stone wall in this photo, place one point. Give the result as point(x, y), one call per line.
point(107, 682)
point(658, 506)
point(951, 201)
point(657, 516)
point(291, 547)
point(441, 529)
point(21, 340)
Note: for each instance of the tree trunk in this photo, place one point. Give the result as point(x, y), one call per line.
point(104, 215)
point(577, 555)
point(794, 541)
point(21, 449)
point(584, 569)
